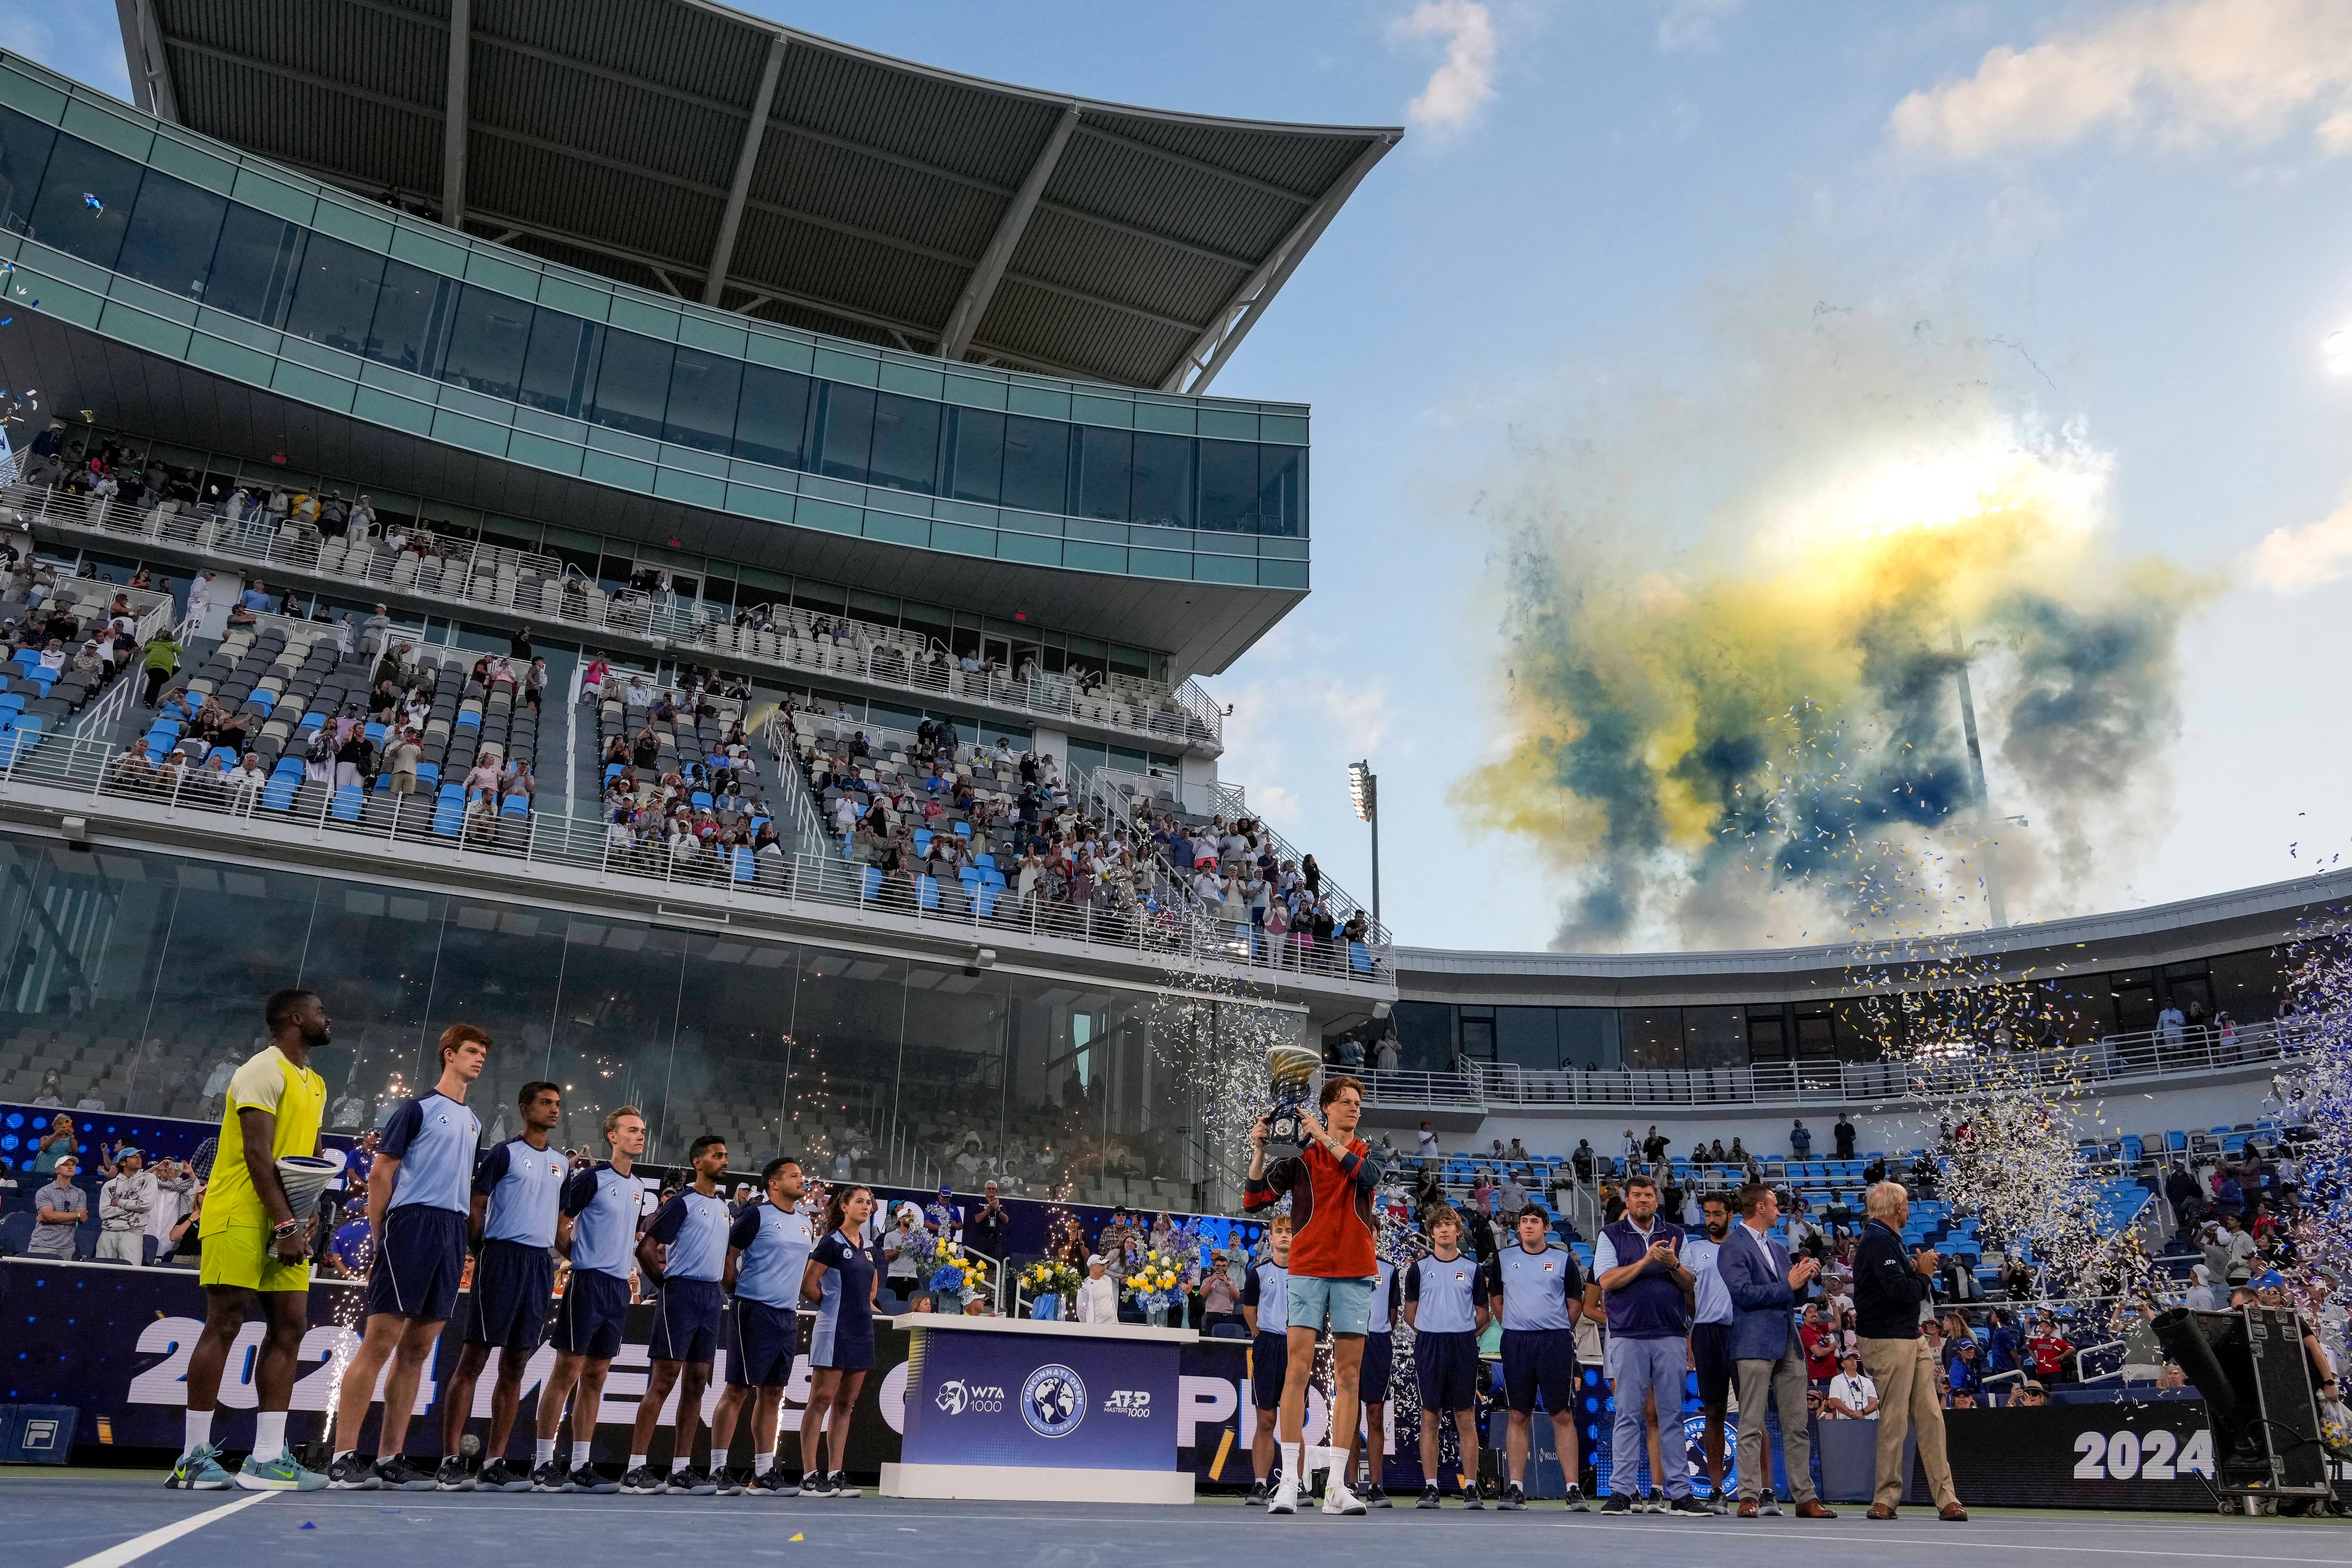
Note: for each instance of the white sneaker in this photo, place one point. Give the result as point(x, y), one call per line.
point(1284, 1497)
point(1338, 1499)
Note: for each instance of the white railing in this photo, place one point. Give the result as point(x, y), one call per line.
point(2145, 1053)
point(520, 848)
point(463, 570)
point(809, 836)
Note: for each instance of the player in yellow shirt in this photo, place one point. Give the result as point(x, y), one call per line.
point(254, 1247)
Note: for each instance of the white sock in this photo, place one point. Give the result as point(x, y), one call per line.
point(269, 1436)
point(1290, 1461)
point(542, 1452)
point(636, 1461)
point(579, 1455)
point(200, 1431)
point(678, 1464)
point(763, 1464)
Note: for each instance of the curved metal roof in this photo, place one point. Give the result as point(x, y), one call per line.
point(878, 200)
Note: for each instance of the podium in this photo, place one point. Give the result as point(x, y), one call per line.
point(1035, 1410)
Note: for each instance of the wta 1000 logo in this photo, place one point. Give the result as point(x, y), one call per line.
point(1054, 1401)
point(955, 1397)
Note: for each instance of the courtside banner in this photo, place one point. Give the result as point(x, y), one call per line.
point(2153, 1454)
point(114, 1342)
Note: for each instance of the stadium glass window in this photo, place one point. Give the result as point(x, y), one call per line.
point(2132, 996)
point(1587, 1038)
point(256, 265)
point(24, 146)
point(1106, 463)
point(703, 389)
point(771, 416)
point(1036, 457)
point(173, 232)
point(85, 203)
point(1161, 492)
point(335, 300)
point(407, 306)
point(2249, 986)
point(1476, 1025)
point(1282, 491)
point(1653, 1037)
point(1715, 1037)
point(488, 336)
point(1528, 1037)
point(560, 347)
point(906, 443)
point(1816, 1032)
point(1229, 488)
point(848, 432)
point(1424, 1037)
point(632, 384)
point(976, 469)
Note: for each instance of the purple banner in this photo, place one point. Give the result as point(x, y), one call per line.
point(998, 1397)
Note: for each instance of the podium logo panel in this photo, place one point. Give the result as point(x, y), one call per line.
point(1054, 1401)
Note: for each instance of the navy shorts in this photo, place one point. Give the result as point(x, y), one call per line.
point(513, 1282)
point(761, 1341)
point(1447, 1367)
point(1539, 1360)
point(686, 1321)
point(1380, 1360)
point(418, 1262)
point(1710, 1346)
point(1269, 1368)
point(589, 1320)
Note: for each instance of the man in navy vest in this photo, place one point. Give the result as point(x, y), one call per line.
point(1766, 1292)
point(1648, 1292)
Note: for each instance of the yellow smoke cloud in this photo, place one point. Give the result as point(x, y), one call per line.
point(1756, 737)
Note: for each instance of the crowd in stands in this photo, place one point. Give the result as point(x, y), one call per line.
point(681, 783)
point(980, 828)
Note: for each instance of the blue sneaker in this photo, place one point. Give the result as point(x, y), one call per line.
point(278, 1475)
point(199, 1471)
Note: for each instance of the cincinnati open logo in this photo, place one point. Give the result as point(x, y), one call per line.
point(1054, 1401)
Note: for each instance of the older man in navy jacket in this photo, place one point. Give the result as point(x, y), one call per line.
point(1766, 1292)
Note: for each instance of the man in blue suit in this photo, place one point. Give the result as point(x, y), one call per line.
point(1766, 1292)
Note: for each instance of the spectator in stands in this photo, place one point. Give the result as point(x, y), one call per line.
point(1853, 1395)
point(1843, 1134)
point(59, 1209)
point(52, 1093)
point(987, 1229)
point(2049, 1351)
point(1580, 1159)
point(162, 659)
point(123, 1206)
point(1801, 1141)
point(2029, 1396)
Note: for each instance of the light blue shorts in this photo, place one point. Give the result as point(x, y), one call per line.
point(1348, 1303)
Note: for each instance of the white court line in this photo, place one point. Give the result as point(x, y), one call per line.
point(138, 1546)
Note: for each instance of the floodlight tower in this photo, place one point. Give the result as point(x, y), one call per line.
point(1364, 789)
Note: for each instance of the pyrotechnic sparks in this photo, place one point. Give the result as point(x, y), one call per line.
point(2315, 1100)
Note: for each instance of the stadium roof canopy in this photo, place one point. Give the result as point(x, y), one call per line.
point(680, 145)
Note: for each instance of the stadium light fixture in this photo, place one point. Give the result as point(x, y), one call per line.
point(1364, 789)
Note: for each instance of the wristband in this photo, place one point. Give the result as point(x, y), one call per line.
point(284, 1229)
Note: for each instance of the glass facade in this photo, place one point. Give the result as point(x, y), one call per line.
point(2080, 1009)
point(176, 236)
point(138, 974)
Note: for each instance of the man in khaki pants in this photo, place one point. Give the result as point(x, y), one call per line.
point(1888, 1290)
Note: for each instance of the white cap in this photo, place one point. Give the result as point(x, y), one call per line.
point(1095, 1259)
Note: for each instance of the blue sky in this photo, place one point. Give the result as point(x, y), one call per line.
point(2139, 210)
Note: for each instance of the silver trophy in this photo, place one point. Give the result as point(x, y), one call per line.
point(1291, 1067)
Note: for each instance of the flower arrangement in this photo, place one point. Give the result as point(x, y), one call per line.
point(1049, 1276)
point(956, 1275)
point(1157, 1281)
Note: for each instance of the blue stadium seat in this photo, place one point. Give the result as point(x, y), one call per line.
point(12, 701)
point(700, 800)
point(746, 867)
point(927, 893)
point(922, 841)
point(312, 722)
point(428, 772)
point(963, 829)
point(278, 794)
point(261, 697)
point(375, 730)
point(227, 755)
point(992, 878)
point(449, 814)
point(612, 772)
point(516, 805)
point(986, 862)
point(984, 899)
point(347, 804)
point(1359, 958)
point(469, 720)
point(869, 882)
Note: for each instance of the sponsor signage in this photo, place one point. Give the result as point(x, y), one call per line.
point(986, 1397)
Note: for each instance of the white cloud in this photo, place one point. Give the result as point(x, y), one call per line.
point(1691, 23)
point(2176, 72)
point(2292, 560)
point(1465, 80)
